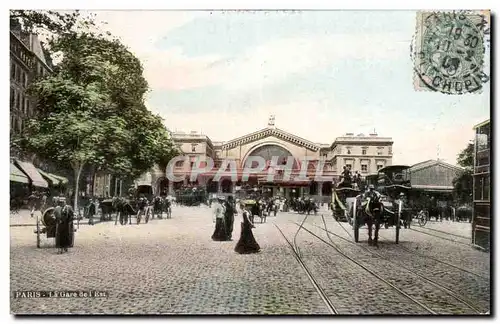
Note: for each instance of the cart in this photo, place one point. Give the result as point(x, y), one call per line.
point(47, 225)
point(342, 200)
point(391, 182)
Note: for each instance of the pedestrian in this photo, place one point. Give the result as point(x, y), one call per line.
point(33, 202)
point(246, 244)
point(220, 227)
point(64, 215)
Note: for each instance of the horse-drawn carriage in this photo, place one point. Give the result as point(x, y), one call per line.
point(393, 182)
point(342, 200)
point(47, 224)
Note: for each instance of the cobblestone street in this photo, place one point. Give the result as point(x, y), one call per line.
point(173, 267)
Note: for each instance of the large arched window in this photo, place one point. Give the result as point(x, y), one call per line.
point(269, 151)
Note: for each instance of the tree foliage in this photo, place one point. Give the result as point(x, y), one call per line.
point(91, 110)
point(51, 24)
point(463, 184)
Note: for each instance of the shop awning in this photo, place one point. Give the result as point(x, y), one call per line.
point(50, 177)
point(17, 175)
point(63, 180)
point(35, 177)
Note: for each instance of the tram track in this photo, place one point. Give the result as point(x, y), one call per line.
point(447, 233)
point(448, 291)
point(374, 274)
point(297, 255)
point(437, 236)
point(422, 255)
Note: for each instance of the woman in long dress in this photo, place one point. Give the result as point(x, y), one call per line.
point(246, 243)
point(220, 226)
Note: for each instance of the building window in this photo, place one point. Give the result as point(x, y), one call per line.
point(379, 166)
point(12, 98)
point(26, 80)
point(192, 165)
point(17, 74)
point(18, 101)
point(26, 103)
point(390, 150)
point(179, 164)
point(364, 168)
point(12, 70)
point(363, 151)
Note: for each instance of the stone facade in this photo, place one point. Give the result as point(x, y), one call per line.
point(365, 154)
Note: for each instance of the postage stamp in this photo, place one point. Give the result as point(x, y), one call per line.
point(449, 51)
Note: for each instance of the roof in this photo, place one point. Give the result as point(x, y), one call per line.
point(430, 163)
point(486, 122)
point(29, 169)
point(395, 166)
point(432, 187)
point(55, 181)
point(270, 131)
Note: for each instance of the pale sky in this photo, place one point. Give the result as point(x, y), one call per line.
point(321, 73)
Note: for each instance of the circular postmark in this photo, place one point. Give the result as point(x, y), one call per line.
point(450, 53)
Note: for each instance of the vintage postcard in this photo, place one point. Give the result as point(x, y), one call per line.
point(237, 162)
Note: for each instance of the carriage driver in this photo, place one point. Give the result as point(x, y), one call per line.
point(371, 193)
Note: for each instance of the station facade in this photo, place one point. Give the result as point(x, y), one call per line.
point(363, 153)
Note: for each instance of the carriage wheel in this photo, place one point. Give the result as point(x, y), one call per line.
point(37, 232)
point(355, 220)
point(422, 218)
point(73, 230)
point(146, 220)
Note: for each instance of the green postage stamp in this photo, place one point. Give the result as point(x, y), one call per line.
point(449, 51)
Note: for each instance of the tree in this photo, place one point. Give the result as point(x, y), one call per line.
point(463, 184)
point(91, 111)
point(52, 24)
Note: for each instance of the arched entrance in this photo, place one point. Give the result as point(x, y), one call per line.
point(162, 186)
point(211, 186)
point(327, 188)
point(226, 186)
point(313, 188)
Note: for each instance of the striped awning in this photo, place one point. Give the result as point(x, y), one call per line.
point(35, 177)
point(63, 180)
point(17, 175)
point(49, 177)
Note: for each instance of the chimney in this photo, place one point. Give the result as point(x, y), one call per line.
point(374, 133)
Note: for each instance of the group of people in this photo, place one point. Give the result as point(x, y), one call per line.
point(224, 212)
point(347, 179)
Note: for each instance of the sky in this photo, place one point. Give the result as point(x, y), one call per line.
point(321, 73)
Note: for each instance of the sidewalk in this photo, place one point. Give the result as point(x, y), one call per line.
point(23, 218)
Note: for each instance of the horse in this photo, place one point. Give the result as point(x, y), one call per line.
point(124, 211)
point(373, 214)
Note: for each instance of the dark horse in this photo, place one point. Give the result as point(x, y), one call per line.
point(373, 214)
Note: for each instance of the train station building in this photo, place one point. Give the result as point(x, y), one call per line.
point(363, 153)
